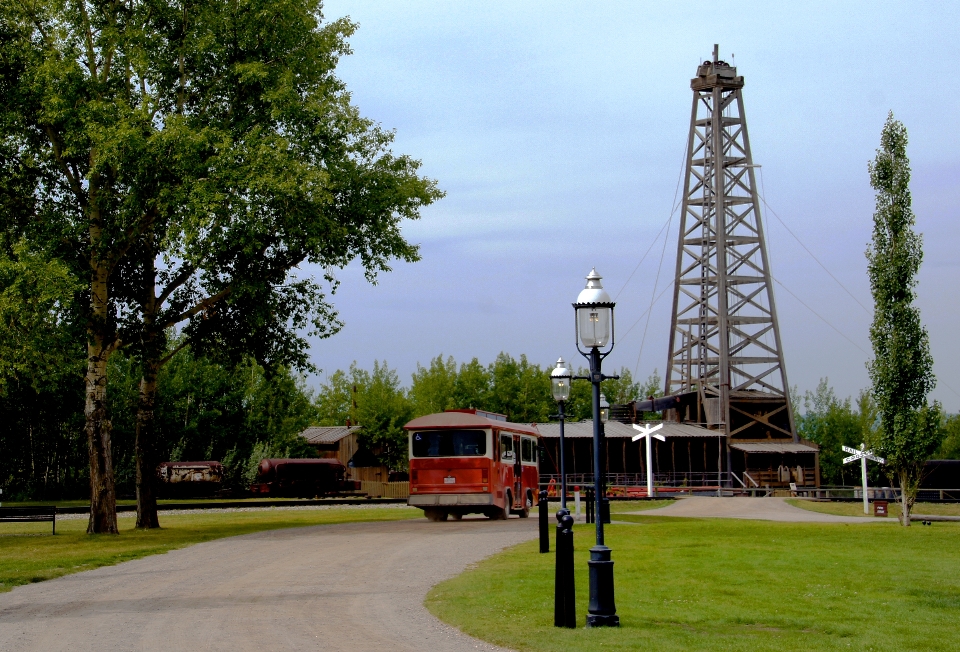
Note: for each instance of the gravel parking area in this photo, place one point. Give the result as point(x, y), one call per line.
point(348, 587)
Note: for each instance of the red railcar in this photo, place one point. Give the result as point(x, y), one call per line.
point(302, 478)
point(472, 462)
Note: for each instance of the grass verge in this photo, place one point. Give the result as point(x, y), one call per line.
point(856, 509)
point(724, 584)
point(29, 554)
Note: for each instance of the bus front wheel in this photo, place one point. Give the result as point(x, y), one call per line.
point(527, 504)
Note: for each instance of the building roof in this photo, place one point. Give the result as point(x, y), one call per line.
point(327, 434)
point(467, 420)
point(773, 447)
point(615, 429)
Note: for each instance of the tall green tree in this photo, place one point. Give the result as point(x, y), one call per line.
point(950, 448)
point(832, 423)
point(432, 387)
point(520, 390)
point(374, 400)
point(472, 386)
point(195, 156)
point(902, 368)
point(37, 341)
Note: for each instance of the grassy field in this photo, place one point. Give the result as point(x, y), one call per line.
point(856, 509)
point(719, 584)
point(29, 554)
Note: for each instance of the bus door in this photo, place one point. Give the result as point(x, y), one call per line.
point(517, 473)
point(509, 465)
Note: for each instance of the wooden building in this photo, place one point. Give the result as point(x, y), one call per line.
point(690, 456)
point(341, 442)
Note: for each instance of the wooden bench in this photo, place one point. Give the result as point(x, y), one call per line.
point(29, 515)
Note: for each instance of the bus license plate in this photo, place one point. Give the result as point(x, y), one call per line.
point(449, 480)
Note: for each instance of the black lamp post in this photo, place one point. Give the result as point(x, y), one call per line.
point(594, 325)
point(560, 378)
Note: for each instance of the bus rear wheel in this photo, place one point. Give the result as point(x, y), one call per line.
point(435, 515)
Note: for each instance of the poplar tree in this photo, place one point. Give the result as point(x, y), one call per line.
point(902, 368)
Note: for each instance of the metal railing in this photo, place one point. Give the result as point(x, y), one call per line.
point(679, 479)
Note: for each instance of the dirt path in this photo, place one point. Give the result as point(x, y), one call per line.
point(761, 509)
point(345, 587)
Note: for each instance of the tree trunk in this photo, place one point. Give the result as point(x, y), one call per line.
point(146, 437)
point(103, 497)
point(908, 495)
point(146, 449)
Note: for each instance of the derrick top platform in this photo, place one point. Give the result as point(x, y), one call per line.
point(716, 74)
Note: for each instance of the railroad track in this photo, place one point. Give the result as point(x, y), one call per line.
point(234, 504)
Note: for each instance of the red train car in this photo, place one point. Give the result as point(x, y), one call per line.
point(302, 478)
point(472, 462)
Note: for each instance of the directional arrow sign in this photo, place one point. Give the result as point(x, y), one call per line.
point(863, 455)
point(647, 431)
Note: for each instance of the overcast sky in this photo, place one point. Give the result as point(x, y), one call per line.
point(558, 130)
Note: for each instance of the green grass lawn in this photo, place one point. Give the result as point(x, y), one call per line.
point(856, 509)
point(29, 554)
point(723, 584)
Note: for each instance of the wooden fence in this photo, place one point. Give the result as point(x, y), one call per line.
point(385, 489)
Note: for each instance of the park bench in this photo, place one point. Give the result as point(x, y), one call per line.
point(29, 515)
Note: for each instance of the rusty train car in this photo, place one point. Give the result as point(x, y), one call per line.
point(190, 479)
point(302, 478)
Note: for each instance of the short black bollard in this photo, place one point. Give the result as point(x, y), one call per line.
point(544, 522)
point(590, 507)
point(565, 596)
point(605, 510)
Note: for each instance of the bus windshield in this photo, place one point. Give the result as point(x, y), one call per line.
point(450, 443)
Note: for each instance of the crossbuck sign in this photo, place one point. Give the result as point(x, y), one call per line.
point(647, 431)
point(863, 455)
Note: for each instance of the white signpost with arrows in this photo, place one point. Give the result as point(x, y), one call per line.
point(863, 455)
point(647, 431)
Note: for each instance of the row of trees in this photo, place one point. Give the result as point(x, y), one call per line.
point(241, 413)
point(833, 422)
point(514, 387)
point(204, 410)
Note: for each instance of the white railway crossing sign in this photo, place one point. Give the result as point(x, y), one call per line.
point(647, 431)
point(863, 455)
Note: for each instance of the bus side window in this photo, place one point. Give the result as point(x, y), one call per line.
point(527, 449)
point(506, 447)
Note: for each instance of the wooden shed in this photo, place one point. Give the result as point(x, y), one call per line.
point(341, 442)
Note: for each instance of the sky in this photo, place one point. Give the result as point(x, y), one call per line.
point(557, 131)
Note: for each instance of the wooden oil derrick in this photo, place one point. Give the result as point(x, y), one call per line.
point(725, 358)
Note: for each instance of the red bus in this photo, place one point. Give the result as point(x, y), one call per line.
point(472, 462)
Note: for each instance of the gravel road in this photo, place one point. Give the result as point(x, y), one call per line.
point(357, 586)
point(761, 509)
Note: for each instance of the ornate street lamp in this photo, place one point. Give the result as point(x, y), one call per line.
point(594, 325)
point(560, 378)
